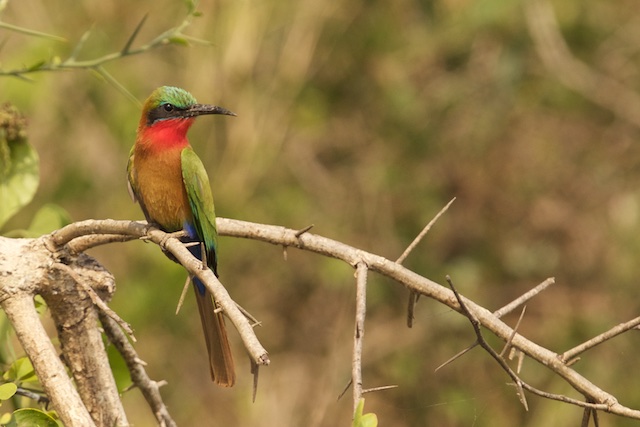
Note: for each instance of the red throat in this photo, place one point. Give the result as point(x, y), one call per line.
point(165, 134)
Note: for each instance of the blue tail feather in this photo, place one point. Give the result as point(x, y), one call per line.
point(196, 251)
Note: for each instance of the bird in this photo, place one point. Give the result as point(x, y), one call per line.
point(170, 183)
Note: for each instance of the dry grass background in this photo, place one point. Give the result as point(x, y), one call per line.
point(363, 118)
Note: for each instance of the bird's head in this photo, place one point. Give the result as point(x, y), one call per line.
point(168, 102)
point(171, 109)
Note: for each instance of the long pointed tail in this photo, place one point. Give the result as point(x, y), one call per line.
point(215, 335)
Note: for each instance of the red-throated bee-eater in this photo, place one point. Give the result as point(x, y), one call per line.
point(169, 181)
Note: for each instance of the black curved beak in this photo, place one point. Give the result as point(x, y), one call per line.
point(202, 109)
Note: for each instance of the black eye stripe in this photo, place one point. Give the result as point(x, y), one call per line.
point(163, 111)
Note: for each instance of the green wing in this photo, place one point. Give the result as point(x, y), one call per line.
point(131, 183)
point(196, 183)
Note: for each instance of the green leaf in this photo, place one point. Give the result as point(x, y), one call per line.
point(21, 371)
point(18, 187)
point(40, 304)
point(30, 417)
point(366, 420)
point(119, 369)
point(19, 172)
point(369, 420)
point(7, 390)
point(50, 217)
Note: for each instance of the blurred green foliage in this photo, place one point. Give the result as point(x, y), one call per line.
point(18, 163)
point(29, 417)
point(363, 118)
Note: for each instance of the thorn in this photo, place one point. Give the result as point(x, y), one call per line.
point(303, 230)
point(423, 233)
point(381, 388)
point(183, 294)
point(507, 345)
point(140, 361)
point(456, 356)
point(249, 316)
point(345, 389)
point(413, 298)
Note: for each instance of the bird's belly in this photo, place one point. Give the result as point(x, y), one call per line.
point(163, 194)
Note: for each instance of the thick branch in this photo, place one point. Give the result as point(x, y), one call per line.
point(281, 236)
point(21, 272)
point(75, 316)
point(50, 370)
point(171, 244)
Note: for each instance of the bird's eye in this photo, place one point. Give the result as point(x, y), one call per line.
point(168, 107)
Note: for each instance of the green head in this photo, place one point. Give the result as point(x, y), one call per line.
point(168, 102)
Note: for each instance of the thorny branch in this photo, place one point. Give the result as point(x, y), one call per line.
point(281, 236)
point(173, 35)
point(589, 406)
point(66, 242)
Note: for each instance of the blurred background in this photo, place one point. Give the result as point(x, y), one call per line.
point(364, 118)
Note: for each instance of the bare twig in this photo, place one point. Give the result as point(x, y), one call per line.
point(358, 334)
point(507, 345)
point(456, 356)
point(524, 298)
point(38, 397)
point(413, 297)
point(423, 233)
point(172, 35)
point(150, 389)
point(30, 32)
point(613, 332)
point(518, 383)
point(502, 312)
point(84, 243)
